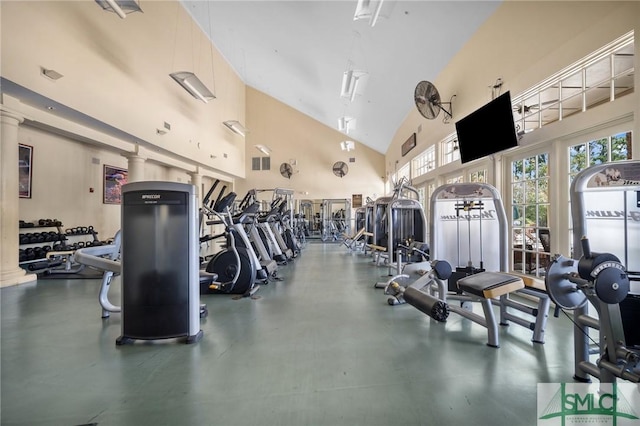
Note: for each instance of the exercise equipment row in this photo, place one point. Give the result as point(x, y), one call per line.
point(461, 214)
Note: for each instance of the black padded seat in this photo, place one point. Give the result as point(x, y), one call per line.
point(490, 284)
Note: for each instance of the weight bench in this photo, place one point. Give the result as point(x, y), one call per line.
point(535, 289)
point(379, 253)
point(482, 288)
point(351, 240)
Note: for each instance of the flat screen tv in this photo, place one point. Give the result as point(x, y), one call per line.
point(487, 130)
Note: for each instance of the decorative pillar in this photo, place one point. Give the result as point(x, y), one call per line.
point(135, 167)
point(10, 271)
point(196, 180)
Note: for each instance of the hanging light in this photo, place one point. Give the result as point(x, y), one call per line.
point(193, 85)
point(120, 7)
point(368, 9)
point(347, 145)
point(190, 82)
point(236, 127)
point(345, 124)
point(349, 86)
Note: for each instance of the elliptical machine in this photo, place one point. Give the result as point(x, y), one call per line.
point(236, 265)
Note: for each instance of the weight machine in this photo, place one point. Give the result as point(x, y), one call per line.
point(469, 229)
point(605, 204)
point(336, 218)
point(397, 221)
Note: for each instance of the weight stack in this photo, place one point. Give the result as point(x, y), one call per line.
point(160, 262)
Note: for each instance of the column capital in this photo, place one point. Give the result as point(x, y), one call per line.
point(7, 113)
point(195, 172)
point(134, 157)
point(137, 153)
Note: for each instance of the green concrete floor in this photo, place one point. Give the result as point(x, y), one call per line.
point(320, 348)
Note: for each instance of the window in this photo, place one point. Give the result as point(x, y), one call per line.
point(404, 171)
point(450, 151)
point(424, 162)
point(479, 176)
point(455, 179)
point(531, 250)
point(602, 76)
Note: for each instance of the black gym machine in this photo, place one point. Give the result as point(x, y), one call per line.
point(236, 266)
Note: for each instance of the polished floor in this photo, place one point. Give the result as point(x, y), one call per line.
point(321, 347)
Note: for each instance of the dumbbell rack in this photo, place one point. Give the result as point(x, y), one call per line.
point(34, 247)
point(37, 257)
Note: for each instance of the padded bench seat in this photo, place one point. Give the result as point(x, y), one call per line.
point(490, 285)
point(377, 248)
point(532, 282)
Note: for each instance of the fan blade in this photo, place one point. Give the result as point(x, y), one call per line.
point(427, 100)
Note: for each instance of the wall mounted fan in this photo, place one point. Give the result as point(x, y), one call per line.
point(428, 102)
point(340, 169)
point(286, 170)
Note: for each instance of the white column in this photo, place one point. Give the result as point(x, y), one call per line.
point(10, 272)
point(135, 167)
point(196, 180)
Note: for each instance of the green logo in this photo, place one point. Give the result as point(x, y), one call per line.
point(582, 404)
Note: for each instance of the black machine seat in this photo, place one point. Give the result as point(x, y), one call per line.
point(489, 285)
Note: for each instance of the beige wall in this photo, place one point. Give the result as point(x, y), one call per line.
point(523, 43)
point(315, 147)
point(117, 71)
point(65, 171)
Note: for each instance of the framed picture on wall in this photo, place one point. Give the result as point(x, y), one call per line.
point(25, 162)
point(114, 178)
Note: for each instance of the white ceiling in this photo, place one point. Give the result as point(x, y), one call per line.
point(297, 52)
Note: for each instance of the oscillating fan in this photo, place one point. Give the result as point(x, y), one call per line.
point(286, 170)
point(340, 169)
point(427, 100)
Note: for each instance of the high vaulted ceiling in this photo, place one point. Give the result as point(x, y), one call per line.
point(298, 51)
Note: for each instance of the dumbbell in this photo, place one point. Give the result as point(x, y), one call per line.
point(22, 256)
point(30, 254)
point(38, 252)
